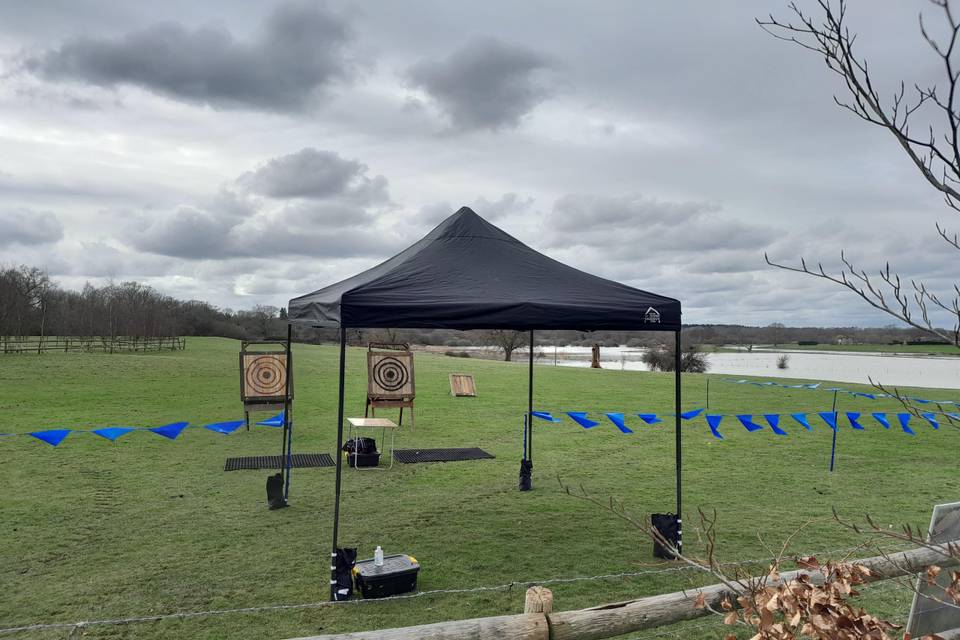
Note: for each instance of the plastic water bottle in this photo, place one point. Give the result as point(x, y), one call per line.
point(378, 557)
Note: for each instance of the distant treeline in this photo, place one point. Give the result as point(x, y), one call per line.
point(775, 334)
point(31, 304)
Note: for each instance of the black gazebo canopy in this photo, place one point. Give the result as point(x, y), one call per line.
point(469, 274)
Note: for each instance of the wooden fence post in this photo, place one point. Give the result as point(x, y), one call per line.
point(538, 600)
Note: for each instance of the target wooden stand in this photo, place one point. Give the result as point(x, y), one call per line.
point(266, 384)
point(263, 378)
point(390, 380)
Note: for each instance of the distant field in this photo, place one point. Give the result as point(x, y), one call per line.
point(932, 349)
point(94, 530)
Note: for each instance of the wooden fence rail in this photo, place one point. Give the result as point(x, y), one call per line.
point(88, 344)
point(619, 618)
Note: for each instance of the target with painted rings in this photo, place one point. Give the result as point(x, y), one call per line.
point(390, 374)
point(264, 376)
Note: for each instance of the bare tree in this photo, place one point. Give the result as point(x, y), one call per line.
point(664, 358)
point(506, 339)
point(23, 294)
point(776, 332)
point(935, 151)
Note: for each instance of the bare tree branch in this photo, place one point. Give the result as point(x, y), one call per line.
point(936, 154)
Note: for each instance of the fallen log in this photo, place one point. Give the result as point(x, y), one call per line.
point(525, 626)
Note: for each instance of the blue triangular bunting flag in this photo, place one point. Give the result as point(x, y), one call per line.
point(618, 420)
point(904, 419)
point(112, 433)
point(690, 415)
point(852, 418)
point(748, 423)
point(830, 417)
point(580, 417)
point(714, 422)
point(224, 427)
point(774, 421)
point(545, 415)
point(931, 418)
point(170, 431)
point(882, 419)
point(649, 418)
point(801, 419)
point(275, 421)
point(52, 437)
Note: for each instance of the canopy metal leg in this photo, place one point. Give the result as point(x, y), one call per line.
point(338, 454)
point(285, 459)
point(679, 458)
point(530, 405)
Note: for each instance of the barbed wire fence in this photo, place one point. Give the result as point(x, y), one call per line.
point(77, 627)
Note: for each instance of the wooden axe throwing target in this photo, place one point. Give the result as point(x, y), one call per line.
point(390, 375)
point(390, 380)
point(263, 377)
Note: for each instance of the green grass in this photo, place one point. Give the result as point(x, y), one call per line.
point(94, 530)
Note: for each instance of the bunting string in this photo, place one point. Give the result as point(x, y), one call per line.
point(172, 431)
point(772, 421)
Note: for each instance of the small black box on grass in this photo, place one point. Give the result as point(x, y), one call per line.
point(363, 459)
point(668, 527)
point(397, 574)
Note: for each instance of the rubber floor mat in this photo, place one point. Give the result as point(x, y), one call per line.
point(413, 456)
point(300, 461)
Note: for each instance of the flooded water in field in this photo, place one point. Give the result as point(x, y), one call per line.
point(890, 369)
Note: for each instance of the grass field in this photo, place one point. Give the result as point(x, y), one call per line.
point(94, 530)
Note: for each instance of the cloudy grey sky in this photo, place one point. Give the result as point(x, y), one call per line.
point(245, 152)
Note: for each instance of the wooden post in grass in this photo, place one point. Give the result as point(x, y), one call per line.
point(538, 600)
point(595, 357)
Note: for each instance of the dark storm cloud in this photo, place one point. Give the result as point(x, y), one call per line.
point(311, 173)
point(28, 227)
point(486, 84)
point(322, 231)
point(323, 211)
point(186, 233)
point(300, 50)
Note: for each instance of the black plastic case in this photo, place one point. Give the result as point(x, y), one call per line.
point(397, 575)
